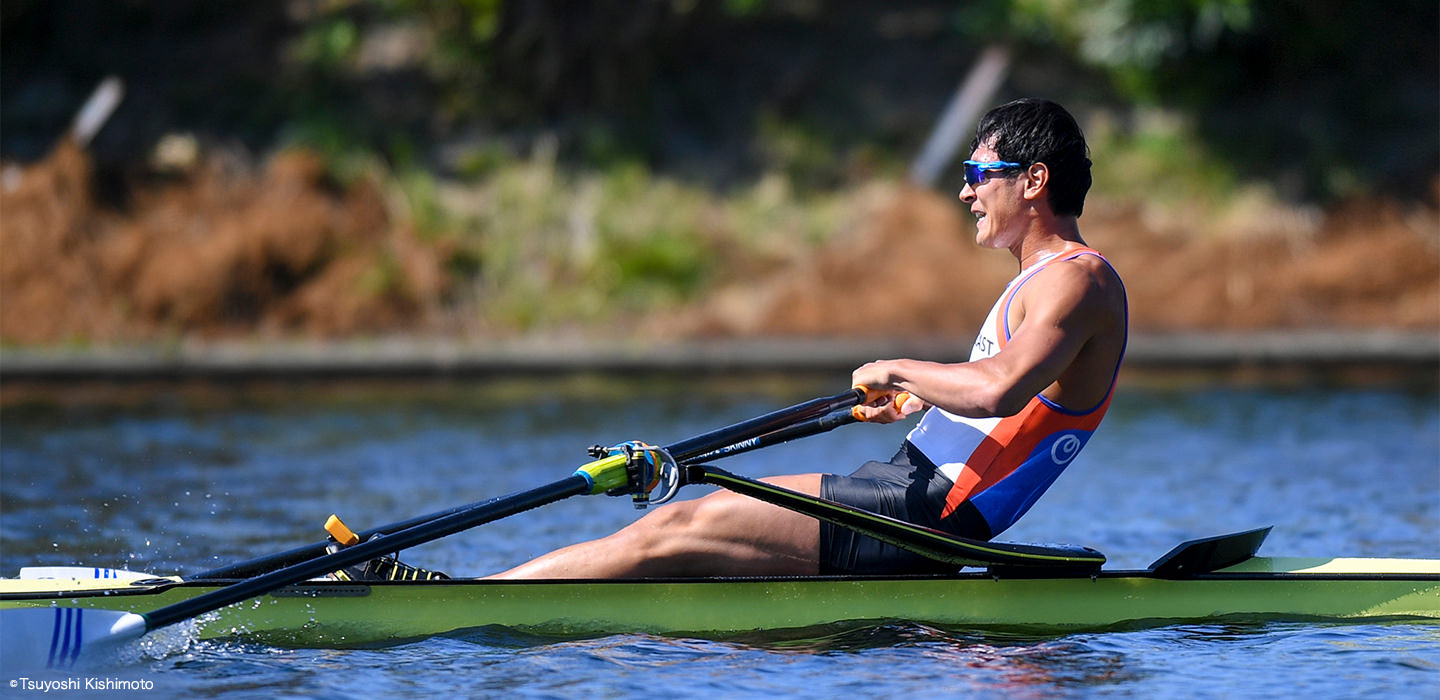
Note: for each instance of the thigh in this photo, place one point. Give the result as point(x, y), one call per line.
point(728, 534)
point(897, 489)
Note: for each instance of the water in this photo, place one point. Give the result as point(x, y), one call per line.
point(179, 480)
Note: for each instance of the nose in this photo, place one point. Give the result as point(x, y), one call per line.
point(967, 193)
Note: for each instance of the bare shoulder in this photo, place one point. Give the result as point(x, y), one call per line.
point(1086, 270)
point(1085, 284)
point(1076, 310)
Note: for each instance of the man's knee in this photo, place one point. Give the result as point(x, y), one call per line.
point(680, 525)
point(662, 524)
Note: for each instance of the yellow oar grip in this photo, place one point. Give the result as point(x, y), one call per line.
point(340, 532)
point(900, 400)
point(605, 474)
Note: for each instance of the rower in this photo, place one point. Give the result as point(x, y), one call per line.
point(1000, 428)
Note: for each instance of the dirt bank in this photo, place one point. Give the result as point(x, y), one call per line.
point(227, 250)
point(912, 269)
point(224, 250)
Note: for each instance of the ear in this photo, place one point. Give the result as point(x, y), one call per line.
point(1037, 177)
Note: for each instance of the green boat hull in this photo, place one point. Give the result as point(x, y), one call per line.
point(336, 614)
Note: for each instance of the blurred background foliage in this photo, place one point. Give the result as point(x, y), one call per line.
point(626, 152)
point(1326, 98)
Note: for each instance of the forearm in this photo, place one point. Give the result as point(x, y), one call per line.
point(973, 389)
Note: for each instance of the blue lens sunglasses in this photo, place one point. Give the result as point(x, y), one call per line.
point(975, 170)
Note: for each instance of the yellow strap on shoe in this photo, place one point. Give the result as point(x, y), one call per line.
point(338, 530)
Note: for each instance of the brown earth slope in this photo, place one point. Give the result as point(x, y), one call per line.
point(220, 252)
point(913, 269)
point(233, 251)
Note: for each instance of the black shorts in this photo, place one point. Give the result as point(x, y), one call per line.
point(909, 488)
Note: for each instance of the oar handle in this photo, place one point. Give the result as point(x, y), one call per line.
point(899, 402)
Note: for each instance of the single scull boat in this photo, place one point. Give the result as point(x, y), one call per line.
point(1217, 578)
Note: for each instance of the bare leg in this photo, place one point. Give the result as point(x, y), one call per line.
point(722, 534)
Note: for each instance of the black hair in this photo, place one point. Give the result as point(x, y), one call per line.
point(1039, 131)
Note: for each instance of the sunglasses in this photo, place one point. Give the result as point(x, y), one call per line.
point(975, 170)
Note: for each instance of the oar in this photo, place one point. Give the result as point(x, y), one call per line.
point(927, 542)
point(686, 450)
point(57, 637)
point(271, 562)
point(814, 426)
point(709, 442)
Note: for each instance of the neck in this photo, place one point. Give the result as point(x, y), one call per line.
point(1062, 234)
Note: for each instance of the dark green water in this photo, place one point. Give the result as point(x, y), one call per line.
point(177, 480)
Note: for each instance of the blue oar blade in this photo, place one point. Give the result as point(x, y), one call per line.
point(32, 639)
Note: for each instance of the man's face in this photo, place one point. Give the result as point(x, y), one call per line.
point(996, 203)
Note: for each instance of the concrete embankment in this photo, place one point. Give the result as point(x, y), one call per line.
point(1413, 353)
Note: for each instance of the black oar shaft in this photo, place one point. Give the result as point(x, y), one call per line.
point(814, 426)
point(716, 439)
point(685, 450)
point(271, 562)
point(419, 534)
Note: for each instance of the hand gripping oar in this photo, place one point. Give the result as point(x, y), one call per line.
point(57, 637)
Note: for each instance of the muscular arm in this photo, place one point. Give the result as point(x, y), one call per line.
point(1061, 309)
